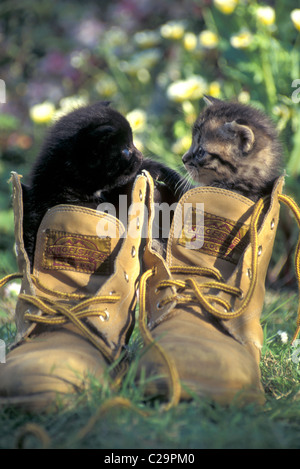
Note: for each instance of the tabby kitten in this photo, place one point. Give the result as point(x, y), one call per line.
point(87, 158)
point(234, 147)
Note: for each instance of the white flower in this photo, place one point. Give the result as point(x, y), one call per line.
point(295, 17)
point(226, 6)
point(266, 15)
point(172, 30)
point(68, 104)
point(13, 289)
point(71, 102)
point(241, 40)
point(182, 90)
point(283, 336)
point(244, 97)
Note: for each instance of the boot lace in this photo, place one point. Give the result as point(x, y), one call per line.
point(190, 291)
point(57, 313)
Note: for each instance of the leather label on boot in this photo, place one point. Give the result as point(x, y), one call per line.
point(80, 253)
point(221, 237)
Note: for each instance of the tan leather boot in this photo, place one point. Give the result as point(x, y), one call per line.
point(75, 312)
point(200, 307)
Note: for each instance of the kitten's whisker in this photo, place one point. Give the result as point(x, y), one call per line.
point(179, 184)
point(184, 185)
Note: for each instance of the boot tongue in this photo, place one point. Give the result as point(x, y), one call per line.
point(209, 229)
point(75, 249)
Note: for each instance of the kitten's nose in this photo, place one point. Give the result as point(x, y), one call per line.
point(186, 157)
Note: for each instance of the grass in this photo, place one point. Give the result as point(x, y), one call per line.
point(189, 426)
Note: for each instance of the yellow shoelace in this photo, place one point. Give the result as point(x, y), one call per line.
point(291, 204)
point(206, 300)
point(195, 294)
point(57, 313)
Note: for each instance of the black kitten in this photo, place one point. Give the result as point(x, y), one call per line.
point(88, 158)
point(235, 147)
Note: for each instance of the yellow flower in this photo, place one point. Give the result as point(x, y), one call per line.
point(208, 39)
point(241, 40)
point(42, 113)
point(106, 87)
point(266, 15)
point(190, 41)
point(172, 30)
point(295, 17)
point(137, 119)
point(182, 90)
point(226, 6)
point(182, 145)
point(214, 89)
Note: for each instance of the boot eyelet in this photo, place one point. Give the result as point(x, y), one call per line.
point(26, 312)
point(241, 295)
point(106, 317)
point(272, 224)
point(141, 195)
point(249, 273)
point(158, 305)
point(138, 223)
point(126, 277)
point(133, 251)
point(259, 251)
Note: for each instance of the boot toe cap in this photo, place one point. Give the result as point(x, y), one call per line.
point(51, 368)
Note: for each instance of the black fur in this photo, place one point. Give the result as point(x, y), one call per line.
point(88, 157)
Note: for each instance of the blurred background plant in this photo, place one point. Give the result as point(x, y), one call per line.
point(153, 61)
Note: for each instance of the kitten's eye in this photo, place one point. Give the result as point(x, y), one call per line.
point(200, 153)
point(127, 153)
point(241, 121)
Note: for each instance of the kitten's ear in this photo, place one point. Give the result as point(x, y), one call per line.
point(246, 135)
point(209, 100)
point(105, 103)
